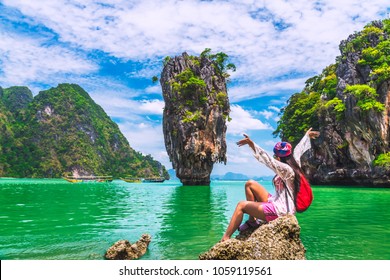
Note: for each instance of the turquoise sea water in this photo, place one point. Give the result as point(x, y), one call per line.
point(54, 219)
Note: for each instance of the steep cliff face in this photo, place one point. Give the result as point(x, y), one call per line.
point(350, 145)
point(352, 108)
point(195, 114)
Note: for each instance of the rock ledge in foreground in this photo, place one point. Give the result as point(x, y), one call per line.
point(276, 240)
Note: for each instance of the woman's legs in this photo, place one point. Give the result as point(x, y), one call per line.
point(254, 209)
point(255, 194)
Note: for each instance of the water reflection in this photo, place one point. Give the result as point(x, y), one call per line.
point(191, 222)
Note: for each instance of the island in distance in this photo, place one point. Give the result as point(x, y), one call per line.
point(229, 176)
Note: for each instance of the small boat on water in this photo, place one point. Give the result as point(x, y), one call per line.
point(154, 180)
point(83, 179)
point(72, 180)
point(131, 180)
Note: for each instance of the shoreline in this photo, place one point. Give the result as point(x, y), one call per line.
point(350, 186)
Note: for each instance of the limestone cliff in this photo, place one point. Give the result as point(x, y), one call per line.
point(349, 103)
point(195, 114)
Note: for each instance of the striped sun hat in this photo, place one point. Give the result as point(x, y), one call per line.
point(282, 149)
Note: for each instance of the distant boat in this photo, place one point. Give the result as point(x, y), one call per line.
point(81, 179)
point(131, 180)
point(153, 180)
point(72, 180)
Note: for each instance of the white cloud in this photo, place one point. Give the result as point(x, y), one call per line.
point(274, 108)
point(153, 89)
point(265, 38)
point(267, 114)
point(146, 138)
point(154, 107)
point(251, 90)
point(24, 60)
point(243, 121)
point(271, 114)
point(122, 106)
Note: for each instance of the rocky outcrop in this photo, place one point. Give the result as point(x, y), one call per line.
point(348, 146)
point(195, 114)
point(124, 250)
point(276, 240)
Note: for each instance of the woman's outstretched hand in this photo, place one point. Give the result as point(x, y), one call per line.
point(312, 134)
point(246, 141)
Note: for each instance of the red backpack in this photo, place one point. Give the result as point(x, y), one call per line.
point(303, 195)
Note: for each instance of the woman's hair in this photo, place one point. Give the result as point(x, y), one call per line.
point(290, 160)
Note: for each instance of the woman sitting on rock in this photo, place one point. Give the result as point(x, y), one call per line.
point(259, 203)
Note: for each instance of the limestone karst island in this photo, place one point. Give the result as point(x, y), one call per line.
point(63, 131)
point(195, 114)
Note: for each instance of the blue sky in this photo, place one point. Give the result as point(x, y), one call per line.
point(113, 49)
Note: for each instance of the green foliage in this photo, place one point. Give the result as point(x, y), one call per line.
point(203, 99)
point(362, 39)
point(191, 116)
point(62, 129)
point(227, 117)
point(370, 30)
point(338, 105)
point(221, 61)
point(154, 79)
point(298, 116)
point(383, 160)
point(366, 97)
point(166, 60)
point(325, 83)
point(16, 99)
point(302, 108)
point(221, 98)
point(329, 84)
point(187, 82)
point(382, 73)
point(195, 60)
point(386, 25)
point(378, 58)
point(206, 53)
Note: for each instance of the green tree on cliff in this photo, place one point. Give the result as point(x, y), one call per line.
point(221, 60)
